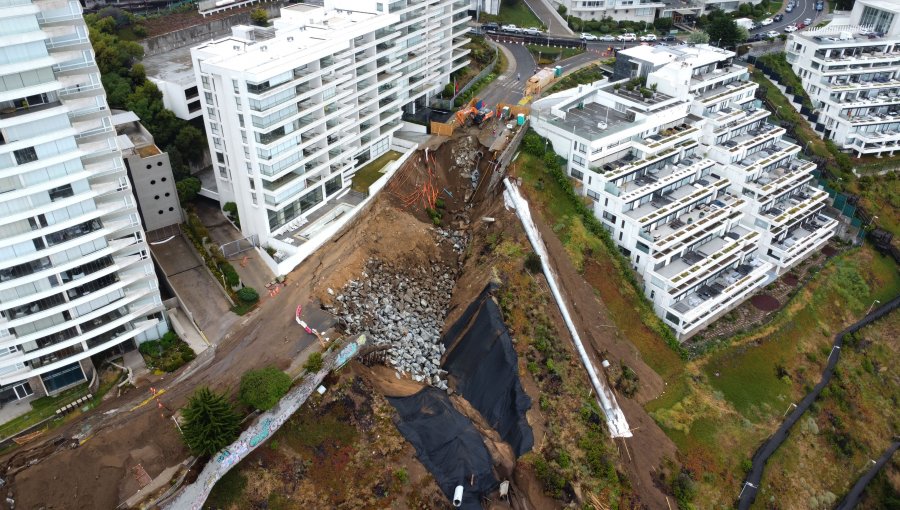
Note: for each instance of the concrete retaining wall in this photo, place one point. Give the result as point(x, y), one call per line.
point(203, 31)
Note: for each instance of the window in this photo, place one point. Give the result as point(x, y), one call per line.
point(578, 160)
point(26, 155)
point(191, 92)
point(876, 19)
point(577, 174)
point(194, 107)
point(64, 191)
point(333, 185)
point(593, 195)
point(379, 7)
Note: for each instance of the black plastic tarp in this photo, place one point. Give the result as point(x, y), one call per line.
point(447, 444)
point(485, 367)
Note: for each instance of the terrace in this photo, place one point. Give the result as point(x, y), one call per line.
point(722, 285)
point(700, 253)
point(807, 228)
point(697, 222)
point(752, 138)
point(660, 200)
point(720, 93)
point(658, 176)
point(768, 155)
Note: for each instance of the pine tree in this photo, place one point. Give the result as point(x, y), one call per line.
point(210, 422)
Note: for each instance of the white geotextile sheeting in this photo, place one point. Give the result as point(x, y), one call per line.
point(615, 418)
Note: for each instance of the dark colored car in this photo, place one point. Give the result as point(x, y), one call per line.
point(757, 37)
point(778, 17)
point(667, 38)
point(490, 27)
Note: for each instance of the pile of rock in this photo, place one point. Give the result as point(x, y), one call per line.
point(404, 307)
point(454, 238)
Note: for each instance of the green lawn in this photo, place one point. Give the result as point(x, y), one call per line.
point(548, 54)
point(370, 173)
point(42, 408)
point(514, 13)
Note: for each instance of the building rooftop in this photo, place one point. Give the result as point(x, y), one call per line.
point(172, 66)
point(593, 121)
point(697, 55)
point(294, 38)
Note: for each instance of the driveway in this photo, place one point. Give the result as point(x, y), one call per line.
point(253, 271)
point(549, 17)
point(203, 296)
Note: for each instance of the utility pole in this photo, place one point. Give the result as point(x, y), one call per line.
point(872, 306)
point(744, 487)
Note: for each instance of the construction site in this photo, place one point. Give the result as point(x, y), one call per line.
point(493, 386)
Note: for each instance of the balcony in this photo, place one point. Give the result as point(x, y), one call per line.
point(73, 68)
point(724, 289)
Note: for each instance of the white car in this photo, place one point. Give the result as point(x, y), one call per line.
point(648, 37)
point(627, 37)
point(588, 37)
point(511, 28)
point(790, 28)
point(807, 21)
point(771, 34)
point(607, 38)
point(531, 31)
point(766, 22)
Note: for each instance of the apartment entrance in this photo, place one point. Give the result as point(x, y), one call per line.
point(16, 391)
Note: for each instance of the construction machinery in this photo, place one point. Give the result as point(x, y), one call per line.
point(464, 114)
point(482, 116)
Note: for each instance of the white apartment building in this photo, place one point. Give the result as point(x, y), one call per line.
point(619, 10)
point(293, 115)
point(851, 71)
point(699, 192)
point(75, 276)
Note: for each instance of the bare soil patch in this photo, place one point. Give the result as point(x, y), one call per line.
point(765, 302)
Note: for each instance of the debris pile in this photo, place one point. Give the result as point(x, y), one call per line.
point(404, 307)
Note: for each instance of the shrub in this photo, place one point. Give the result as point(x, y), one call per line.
point(553, 480)
point(231, 276)
point(248, 295)
point(533, 263)
point(314, 363)
point(262, 389)
point(259, 17)
point(210, 422)
point(230, 207)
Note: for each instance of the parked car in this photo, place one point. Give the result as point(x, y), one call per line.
point(766, 22)
point(490, 27)
point(648, 38)
point(669, 38)
point(626, 37)
point(511, 28)
point(607, 38)
point(757, 37)
point(789, 8)
point(589, 37)
point(807, 21)
point(531, 31)
point(777, 18)
point(801, 25)
point(790, 28)
point(771, 34)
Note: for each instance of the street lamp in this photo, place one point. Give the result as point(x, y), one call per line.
point(744, 487)
point(869, 224)
point(872, 306)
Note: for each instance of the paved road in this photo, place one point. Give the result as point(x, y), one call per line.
point(751, 485)
point(802, 10)
point(506, 88)
point(549, 17)
point(852, 498)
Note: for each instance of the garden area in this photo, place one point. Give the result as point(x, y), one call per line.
point(167, 354)
point(546, 55)
point(367, 175)
point(582, 76)
point(481, 54)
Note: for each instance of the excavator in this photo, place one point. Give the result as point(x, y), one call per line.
point(473, 115)
point(464, 114)
point(482, 116)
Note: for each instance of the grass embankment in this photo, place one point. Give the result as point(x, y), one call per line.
point(575, 450)
point(545, 55)
point(370, 173)
point(514, 12)
point(852, 421)
point(735, 398)
point(718, 409)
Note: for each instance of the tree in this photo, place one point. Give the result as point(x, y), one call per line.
point(725, 32)
point(190, 142)
point(117, 89)
point(248, 295)
point(698, 38)
point(210, 422)
point(259, 17)
point(262, 389)
point(187, 189)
